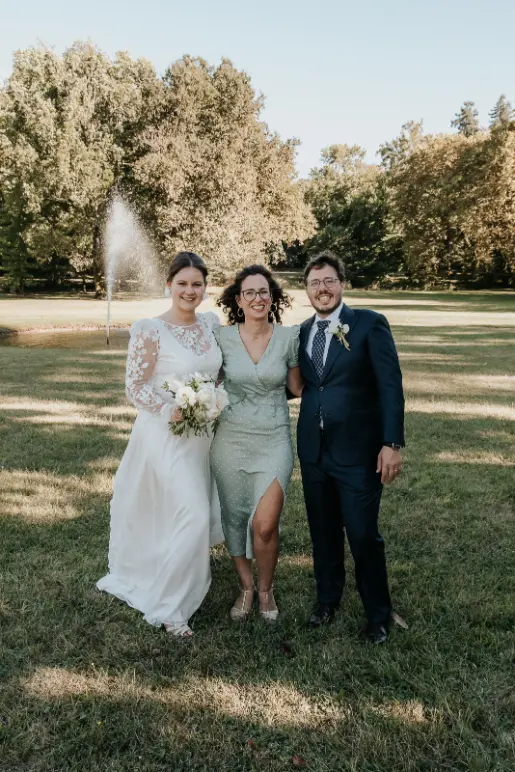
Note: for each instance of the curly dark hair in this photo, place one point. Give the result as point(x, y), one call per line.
point(227, 300)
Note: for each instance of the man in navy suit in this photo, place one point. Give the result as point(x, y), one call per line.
point(349, 436)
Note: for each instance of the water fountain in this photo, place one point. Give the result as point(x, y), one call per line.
point(128, 253)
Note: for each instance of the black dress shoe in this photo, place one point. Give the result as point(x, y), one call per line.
point(376, 633)
point(322, 614)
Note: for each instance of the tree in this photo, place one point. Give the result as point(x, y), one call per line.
point(189, 150)
point(349, 201)
point(501, 113)
point(68, 125)
point(217, 180)
point(466, 120)
point(488, 205)
point(398, 150)
point(13, 248)
point(453, 200)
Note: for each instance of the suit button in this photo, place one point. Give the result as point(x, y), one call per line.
point(321, 388)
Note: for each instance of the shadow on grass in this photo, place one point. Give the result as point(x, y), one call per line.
point(88, 684)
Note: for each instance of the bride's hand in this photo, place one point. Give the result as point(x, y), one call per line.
point(176, 415)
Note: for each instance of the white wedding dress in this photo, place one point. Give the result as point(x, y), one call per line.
point(165, 512)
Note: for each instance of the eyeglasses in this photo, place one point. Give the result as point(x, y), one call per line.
point(251, 294)
point(329, 282)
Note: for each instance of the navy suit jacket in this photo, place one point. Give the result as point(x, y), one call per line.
point(359, 394)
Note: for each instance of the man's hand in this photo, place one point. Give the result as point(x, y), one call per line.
point(389, 464)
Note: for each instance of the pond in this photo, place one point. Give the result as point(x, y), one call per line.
point(84, 340)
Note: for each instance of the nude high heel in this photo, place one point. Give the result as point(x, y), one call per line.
point(270, 612)
point(241, 613)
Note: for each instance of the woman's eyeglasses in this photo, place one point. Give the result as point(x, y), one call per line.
point(251, 294)
point(329, 283)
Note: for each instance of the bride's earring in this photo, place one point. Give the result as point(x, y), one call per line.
point(168, 292)
point(240, 313)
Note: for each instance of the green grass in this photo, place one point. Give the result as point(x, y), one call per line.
point(87, 685)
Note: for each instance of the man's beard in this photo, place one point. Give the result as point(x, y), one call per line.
point(327, 311)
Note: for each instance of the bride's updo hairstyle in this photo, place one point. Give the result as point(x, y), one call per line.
point(186, 260)
point(227, 300)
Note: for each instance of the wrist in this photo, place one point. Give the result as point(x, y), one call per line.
point(392, 445)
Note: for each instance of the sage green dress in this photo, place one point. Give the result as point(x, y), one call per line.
point(252, 446)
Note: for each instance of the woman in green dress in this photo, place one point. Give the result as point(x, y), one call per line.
point(251, 454)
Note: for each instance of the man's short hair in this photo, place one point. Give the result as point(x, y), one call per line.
point(325, 258)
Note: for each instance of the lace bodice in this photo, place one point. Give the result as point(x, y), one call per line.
point(193, 337)
point(159, 351)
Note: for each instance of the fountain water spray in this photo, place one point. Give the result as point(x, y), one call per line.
point(129, 255)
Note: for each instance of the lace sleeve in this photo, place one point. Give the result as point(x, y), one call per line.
point(141, 360)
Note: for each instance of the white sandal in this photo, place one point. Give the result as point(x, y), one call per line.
point(179, 629)
point(269, 614)
point(240, 613)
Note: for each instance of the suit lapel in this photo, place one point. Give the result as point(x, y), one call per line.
point(347, 316)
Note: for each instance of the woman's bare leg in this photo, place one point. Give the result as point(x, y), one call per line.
point(265, 529)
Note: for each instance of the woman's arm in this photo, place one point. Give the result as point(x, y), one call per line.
point(294, 382)
point(141, 361)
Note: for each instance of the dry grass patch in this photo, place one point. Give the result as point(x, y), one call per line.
point(489, 459)
point(411, 711)
point(36, 411)
point(460, 409)
point(43, 497)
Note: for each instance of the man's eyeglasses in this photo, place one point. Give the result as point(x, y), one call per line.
point(329, 283)
point(251, 294)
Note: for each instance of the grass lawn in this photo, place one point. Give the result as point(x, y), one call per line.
point(87, 685)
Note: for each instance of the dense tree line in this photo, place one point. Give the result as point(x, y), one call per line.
point(437, 210)
point(204, 172)
point(189, 150)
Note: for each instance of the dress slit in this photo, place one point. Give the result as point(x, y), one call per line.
point(249, 552)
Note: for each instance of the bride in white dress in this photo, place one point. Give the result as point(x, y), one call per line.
point(164, 511)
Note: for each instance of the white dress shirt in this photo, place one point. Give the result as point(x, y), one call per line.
point(333, 319)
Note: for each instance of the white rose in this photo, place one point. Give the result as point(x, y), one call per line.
point(212, 413)
point(206, 396)
point(333, 329)
point(185, 397)
point(345, 329)
point(175, 384)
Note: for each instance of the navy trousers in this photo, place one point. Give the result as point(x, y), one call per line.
point(345, 500)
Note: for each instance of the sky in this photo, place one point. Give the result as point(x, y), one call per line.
point(331, 71)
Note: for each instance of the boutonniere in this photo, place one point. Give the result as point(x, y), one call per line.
point(340, 331)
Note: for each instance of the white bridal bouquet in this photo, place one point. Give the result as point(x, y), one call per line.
point(200, 401)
